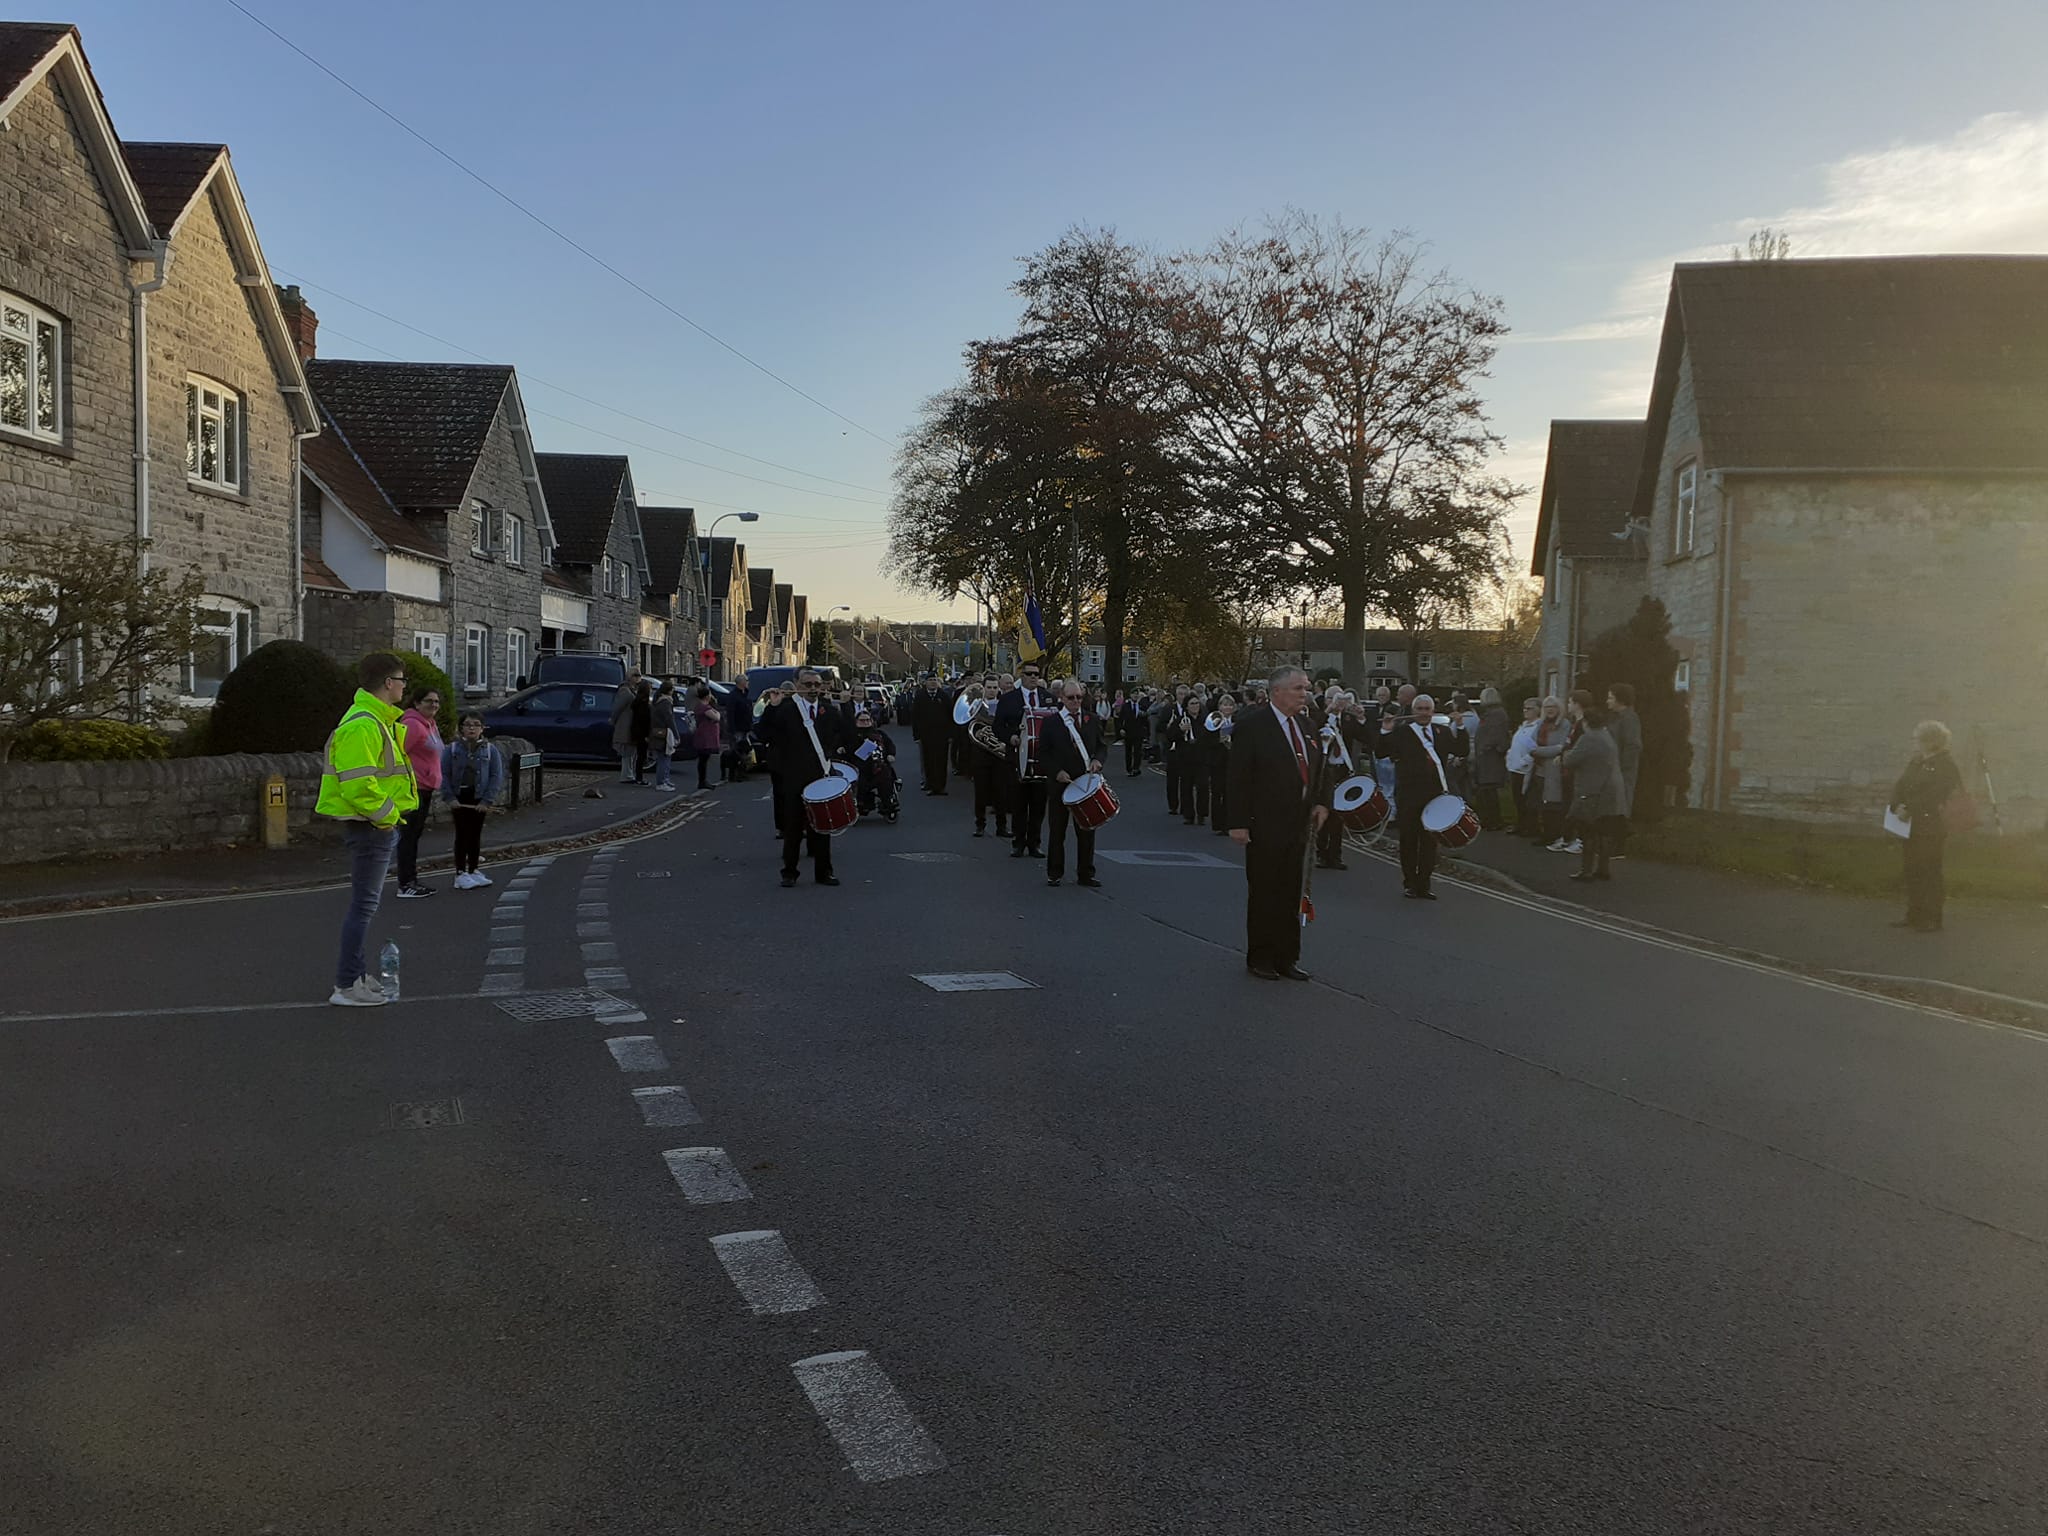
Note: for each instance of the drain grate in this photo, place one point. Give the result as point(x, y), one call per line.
point(427, 1114)
point(974, 981)
point(650, 874)
point(535, 1006)
point(927, 858)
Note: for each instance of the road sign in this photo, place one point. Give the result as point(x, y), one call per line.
point(707, 657)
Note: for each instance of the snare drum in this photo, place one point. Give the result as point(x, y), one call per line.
point(828, 805)
point(1030, 745)
point(1361, 804)
point(1450, 820)
point(1090, 801)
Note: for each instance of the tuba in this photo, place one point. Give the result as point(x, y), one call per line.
point(982, 732)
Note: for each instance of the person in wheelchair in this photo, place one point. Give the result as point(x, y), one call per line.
point(875, 750)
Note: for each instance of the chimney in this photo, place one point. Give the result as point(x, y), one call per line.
point(300, 320)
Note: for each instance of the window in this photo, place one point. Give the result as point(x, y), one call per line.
point(1379, 661)
point(625, 578)
point(479, 529)
point(31, 367)
point(1424, 662)
point(1685, 490)
point(226, 633)
point(476, 659)
point(518, 655)
point(213, 434)
point(515, 541)
point(608, 578)
point(1681, 679)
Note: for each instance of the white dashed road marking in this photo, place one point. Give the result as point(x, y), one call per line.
point(593, 909)
point(706, 1175)
point(600, 929)
point(600, 949)
point(768, 1279)
point(497, 983)
point(512, 898)
point(637, 1053)
point(510, 934)
point(618, 1016)
point(668, 1104)
point(872, 1427)
point(604, 976)
point(515, 955)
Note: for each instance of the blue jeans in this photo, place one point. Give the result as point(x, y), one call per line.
point(1383, 771)
point(662, 762)
point(369, 856)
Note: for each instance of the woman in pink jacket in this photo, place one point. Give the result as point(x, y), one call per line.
point(704, 713)
point(419, 733)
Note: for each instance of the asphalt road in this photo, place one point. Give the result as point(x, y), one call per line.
point(1504, 1224)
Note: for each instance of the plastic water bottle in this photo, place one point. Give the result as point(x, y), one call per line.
point(387, 964)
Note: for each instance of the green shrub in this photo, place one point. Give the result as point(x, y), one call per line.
point(422, 673)
point(89, 741)
point(286, 697)
point(193, 735)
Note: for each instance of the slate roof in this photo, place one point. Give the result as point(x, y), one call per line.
point(550, 577)
point(722, 554)
point(419, 428)
point(583, 498)
point(329, 459)
point(760, 593)
point(1589, 489)
point(1927, 363)
point(667, 531)
point(24, 45)
point(785, 606)
point(169, 176)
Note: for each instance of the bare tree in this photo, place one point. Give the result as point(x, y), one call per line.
point(1766, 244)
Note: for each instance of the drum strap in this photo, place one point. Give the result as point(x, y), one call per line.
point(1429, 745)
point(810, 730)
point(1079, 745)
point(1333, 736)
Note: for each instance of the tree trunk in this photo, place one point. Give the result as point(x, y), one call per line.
point(1354, 637)
point(1113, 601)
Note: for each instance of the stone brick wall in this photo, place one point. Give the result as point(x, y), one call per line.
point(94, 810)
point(1689, 584)
point(484, 589)
point(349, 625)
point(202, 322)
point(615, 620)
point(1865, 605)
point(61, 248)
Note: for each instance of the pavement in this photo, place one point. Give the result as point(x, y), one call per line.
point(1507, 1222)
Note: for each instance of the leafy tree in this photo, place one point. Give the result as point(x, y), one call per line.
point(86, 633)
point(422, 673)
point(1639, 652)
point(822, 650)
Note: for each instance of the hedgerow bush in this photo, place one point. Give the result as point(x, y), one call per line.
point(285, 697)
point(90, 741)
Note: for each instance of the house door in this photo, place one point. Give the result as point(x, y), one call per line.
point(433, 647)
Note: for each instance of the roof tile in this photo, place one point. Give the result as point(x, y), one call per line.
point(583, 492)
point(419, 428)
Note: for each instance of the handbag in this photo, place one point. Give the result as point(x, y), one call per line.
point(1958, 813)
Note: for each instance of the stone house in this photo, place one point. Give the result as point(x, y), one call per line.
point(1845, 481)
point(598, 546)
point(675, 583)
point(1438, 661)
point(148, 383)
point(1590, 556)
point(448, 446)
point(730, 591)
point(799, 629)
point(764, 644)
point(791, 652)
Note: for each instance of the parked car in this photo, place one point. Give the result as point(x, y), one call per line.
point(575, 667)
point(566, 722)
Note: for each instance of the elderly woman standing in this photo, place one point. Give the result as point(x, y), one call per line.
point(1522, 770)
point(1599, 807)
point(1553, 735)
point(1930, 782)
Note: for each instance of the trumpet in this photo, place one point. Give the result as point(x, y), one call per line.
point(1219, 723)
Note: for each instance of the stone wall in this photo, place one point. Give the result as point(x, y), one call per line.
point(1865, 605)
point(92, 810)
point(349, 625)
point(486, 589)
point(1688, 584)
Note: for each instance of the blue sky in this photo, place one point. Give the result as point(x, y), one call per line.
point(842, 192)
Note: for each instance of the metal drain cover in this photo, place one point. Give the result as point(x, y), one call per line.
point(650, 874)
point(427, 1114)
point(927, 858)
point(535, 1006)
point(974, 981)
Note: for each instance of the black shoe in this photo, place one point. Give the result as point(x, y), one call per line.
point(1331, 864)
point(1427, 895)
point(788, 881)
point(1264, 972)
point(1018, 853)
point(1296, 973)
point(1002, 831)
point(825, 880)
point(1052, 880)
point(1583, 876)
point(1090, 881)
point(979, 833)
point(1034, 853)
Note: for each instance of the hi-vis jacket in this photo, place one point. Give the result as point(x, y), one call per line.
point(367, 777)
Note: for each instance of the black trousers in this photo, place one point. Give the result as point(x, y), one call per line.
point(1194, 787)
point(1175, 761)
point(1418, 850)
point(1027, 814)
point(1330, 841)
point(1272, 901)
point(1057, 818)
point(1219, 783)
point(931, 754)
point(1924, 885)
point(797, 838)
point(1486, 801)
point(1134, 748)
point(409, 831)
point(991, 792)
point(469, 837)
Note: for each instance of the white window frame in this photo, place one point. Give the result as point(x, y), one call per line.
point(239, 630)
point(229, 414)
point(1681, 677)
point(1685, 507)
point(518, 655)
point(476, 658)
point(1424, 661)
point(515, 540)
point(479, 529)
point(41, 337)
point(608, 578)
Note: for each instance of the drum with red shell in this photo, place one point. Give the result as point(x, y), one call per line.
point(1450, 820)
point(1090, 801)
point(829, 805)
point(1361, 804)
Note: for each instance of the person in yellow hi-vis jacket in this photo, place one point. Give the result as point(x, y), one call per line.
point(368, 785)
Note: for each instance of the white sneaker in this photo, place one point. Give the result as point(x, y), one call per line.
point(1560, 846)
point(363, 992)
point(666, 789)
point(1575, 846)
point(465, 882)
point(477, 878)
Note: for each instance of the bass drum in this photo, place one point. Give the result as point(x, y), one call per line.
point(1450, 820)
point(1090, 801)
point(1361, 804)
point(828, 805)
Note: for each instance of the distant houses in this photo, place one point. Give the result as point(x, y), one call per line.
point(154, 382)
point(1840, 495)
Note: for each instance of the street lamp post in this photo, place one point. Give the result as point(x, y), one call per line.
point(745, 517)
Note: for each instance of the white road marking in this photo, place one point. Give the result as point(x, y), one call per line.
point(512, 898)
point(974, 981)
point(872, 1427)
point(508, 914)
point(498, 982)
point(604, 976)
point(512, 933)
point(597, 928)
point(637, 1053)
point(516, 955)
point(602, 949)
point(593, 909)
point(523, 883)
point(668, 1104)
point(706, 1175)
point(621, 1016)
point(768, 1278)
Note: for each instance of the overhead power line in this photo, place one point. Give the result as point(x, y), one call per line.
point(575, 245)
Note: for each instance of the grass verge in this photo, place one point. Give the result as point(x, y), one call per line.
point(2011, 868)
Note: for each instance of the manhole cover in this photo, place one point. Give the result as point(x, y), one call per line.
point(974, 981)
point(1163, 858)
point(927, 858)
point(535, 1006)
point(427, 1114)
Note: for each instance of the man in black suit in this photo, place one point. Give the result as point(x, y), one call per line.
point(1027, 806)
point(1423, 749)
point(931, 725)
point(1131, 718)
point(1277, 798)
point(1073, 746)
point(807, 735)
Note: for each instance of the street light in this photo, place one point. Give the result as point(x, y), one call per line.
point(745, 517)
